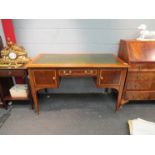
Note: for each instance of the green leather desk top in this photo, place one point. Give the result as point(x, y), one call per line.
point(76, 60)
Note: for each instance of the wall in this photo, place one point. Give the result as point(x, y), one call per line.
point(2, 34)
point(74, 35)
point(98, 35)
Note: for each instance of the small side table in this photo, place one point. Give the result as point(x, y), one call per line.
point(6, 82)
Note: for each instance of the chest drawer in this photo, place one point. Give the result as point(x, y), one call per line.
point(140, 85)
point(142, 66)
point(16, 73)
point(142, 76)
point(109, 76)
point(77, 72)
point(44, 77)
point(140, 95)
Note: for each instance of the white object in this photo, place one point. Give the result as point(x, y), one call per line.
point(141, 127)
point(19, 90)
point(144, 34)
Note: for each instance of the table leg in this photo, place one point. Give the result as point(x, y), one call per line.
point(35, 100)
point(4, 104)
point(118, 104)
point(34, 94)
point(120, 90)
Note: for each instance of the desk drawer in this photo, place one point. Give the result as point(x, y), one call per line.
point(78, 72)
point(16, 73)
point(44, 78)
point(109, 76)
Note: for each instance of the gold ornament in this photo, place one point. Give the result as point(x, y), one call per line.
point(13, 55)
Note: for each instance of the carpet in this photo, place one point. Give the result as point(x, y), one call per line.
point(75, 114)
point(4, 115)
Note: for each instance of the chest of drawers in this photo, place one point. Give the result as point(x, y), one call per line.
point(140, 81)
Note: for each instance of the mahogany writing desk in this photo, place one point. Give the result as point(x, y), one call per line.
point(46, 70)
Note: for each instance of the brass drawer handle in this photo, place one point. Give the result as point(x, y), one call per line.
point(88, 71)
point(67, 72)
point(54, 78)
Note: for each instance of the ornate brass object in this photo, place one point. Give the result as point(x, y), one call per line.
point(13, 55)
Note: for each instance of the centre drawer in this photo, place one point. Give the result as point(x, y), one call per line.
point(77, 72)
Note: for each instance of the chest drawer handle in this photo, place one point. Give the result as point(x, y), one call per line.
point(137, 76)
point(54, 78)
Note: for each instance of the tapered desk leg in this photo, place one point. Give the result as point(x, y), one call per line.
point(118, 104)
point(35, 101)
point(120, 90)
point(34, 94)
